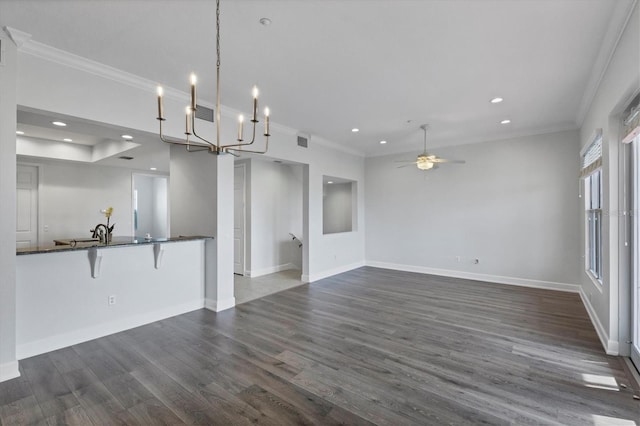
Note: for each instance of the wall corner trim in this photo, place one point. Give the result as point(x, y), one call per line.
point(9, 370)
point(219, 305)
point(331, 272)
point(611, 347)
point(497, 279)
point(271, 270)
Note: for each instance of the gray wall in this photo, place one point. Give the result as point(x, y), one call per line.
point(513, 206)
point(337, 202)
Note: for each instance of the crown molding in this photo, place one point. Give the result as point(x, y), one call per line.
point(55, 55)
point(18, 37)
point(52, 54)
point(512, 135)
point(617, 25)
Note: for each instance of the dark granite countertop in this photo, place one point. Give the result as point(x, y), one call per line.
point(116, 242)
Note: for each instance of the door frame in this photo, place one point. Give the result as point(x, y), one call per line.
point(41, 227)
point(243, 167)
point(635, 256)
point(133, 196)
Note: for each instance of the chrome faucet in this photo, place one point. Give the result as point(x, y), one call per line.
point(98, 232)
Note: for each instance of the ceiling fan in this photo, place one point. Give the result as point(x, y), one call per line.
point(426, 161)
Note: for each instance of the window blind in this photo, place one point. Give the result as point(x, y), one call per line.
point(592, 158)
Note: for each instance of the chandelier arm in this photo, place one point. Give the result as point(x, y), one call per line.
point(193, 129)
point(182, 142)
point(266, 148)
point(253, 139)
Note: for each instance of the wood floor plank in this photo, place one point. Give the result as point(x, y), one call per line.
point(370, 346)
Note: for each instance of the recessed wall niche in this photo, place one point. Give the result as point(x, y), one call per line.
point(339, 197)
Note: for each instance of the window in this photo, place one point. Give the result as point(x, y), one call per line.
point(593, 207)
point(592, 179)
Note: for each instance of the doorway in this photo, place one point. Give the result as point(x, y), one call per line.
point(150, 206)
point(26, 206)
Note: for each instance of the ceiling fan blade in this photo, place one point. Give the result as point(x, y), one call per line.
point(444, 160)
point(407, 165)
point(404, 161)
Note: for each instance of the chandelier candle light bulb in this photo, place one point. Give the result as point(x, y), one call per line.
point(160, 104)
point(240, 127)
point(187, 130)
point(193, 91)
point(255, 104)
point(266, 121)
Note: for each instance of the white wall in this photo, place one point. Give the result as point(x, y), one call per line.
point(608, 304)
point(8, 75)
point(512, 206)
point(274, 206)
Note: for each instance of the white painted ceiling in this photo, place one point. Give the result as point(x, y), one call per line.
point(384, 66)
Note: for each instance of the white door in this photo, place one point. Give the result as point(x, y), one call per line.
point(26, 206)
point(635, 285)
point(238, 219)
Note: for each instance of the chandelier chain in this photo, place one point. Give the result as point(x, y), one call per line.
point(218, 33)
point(218, 115)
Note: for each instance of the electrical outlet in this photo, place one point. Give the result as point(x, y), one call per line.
point(112, 300)
point(458, 259)
point(46, 228)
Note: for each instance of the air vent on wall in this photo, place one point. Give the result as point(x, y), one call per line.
point(303, 142)
point(125, 157)
point(204, 113)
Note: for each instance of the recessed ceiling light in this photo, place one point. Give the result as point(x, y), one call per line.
point(330, 182)
point(496, 100)
point(67, 140)
point(59, 123)
point(127, 137)
point(153, 168)
point(383, 142)
point(355, 130)
point(19, 132)
point(505, 122)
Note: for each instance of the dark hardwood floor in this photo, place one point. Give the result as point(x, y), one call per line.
point(370, 346)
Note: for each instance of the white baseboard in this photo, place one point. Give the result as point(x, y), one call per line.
point(58, 341)
point(219, 305)
point(522, 282)
point(271, 270)
point(611, 347)
point(330, 272)
point(9, 370)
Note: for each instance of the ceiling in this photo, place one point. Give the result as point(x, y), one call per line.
point(383, 66)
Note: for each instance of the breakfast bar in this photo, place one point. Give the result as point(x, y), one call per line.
point(70, 293)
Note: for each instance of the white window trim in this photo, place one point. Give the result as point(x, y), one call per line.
point(585, 173)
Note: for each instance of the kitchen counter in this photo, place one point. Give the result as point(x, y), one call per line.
point(73, 294)
point(115, 242)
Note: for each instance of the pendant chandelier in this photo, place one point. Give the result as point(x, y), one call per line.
point(194, 142)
